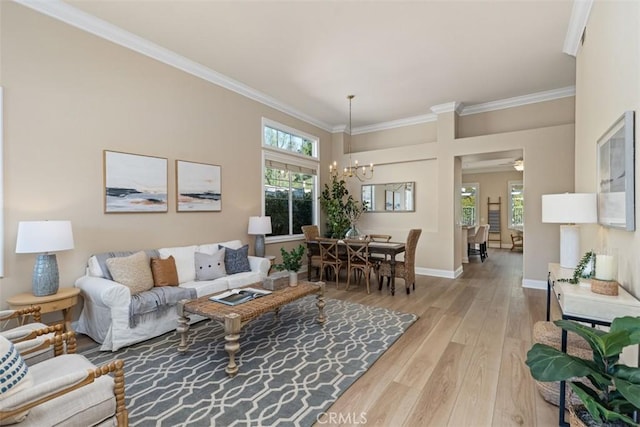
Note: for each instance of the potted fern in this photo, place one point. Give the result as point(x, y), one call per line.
point(291, 262)
point(612, 392)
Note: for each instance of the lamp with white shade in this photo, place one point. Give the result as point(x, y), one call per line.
point(259, 225)
point(569, 209)
point(44, 237)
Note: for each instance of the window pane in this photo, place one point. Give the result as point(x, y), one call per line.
point(276, 197)
point(287, 141)
point(516, 203)
point(469, 203)
point(302, 201)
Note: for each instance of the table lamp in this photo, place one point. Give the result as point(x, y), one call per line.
point(569, 209)
point(43, 237)
point(259, 225)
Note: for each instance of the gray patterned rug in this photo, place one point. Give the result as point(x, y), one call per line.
point(291, 369)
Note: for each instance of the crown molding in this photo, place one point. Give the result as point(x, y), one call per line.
point(518, 101)
point(448, 107)
point(63, 12)
point(577, 23)
point(409, 121)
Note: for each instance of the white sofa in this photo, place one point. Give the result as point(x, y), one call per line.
point(105, 314)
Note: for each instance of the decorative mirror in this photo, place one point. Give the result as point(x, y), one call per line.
point(389, 197)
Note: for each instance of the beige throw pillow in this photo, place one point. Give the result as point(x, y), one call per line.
point(133, 271)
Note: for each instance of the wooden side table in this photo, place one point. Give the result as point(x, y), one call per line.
point(64, 300)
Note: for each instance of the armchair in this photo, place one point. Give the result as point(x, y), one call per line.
point(25, 322)
point(65, 390)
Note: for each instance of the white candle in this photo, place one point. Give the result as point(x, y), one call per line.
point(605, 267)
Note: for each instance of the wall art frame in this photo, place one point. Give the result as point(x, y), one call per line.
point(616, 174)
point(198, 187)
point(134, 183)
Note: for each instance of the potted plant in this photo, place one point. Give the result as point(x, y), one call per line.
point(612, 392)
point(291, 262)
point(343, 211)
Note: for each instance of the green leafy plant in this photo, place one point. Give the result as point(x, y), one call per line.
point(341, 208)
point(291, 260)
point(615, 391)
point(578, 272)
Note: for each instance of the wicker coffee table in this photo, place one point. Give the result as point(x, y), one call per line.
point(235, 317)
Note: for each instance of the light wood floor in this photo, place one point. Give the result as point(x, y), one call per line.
point(462, 362)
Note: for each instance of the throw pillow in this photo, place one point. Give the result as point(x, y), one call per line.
point(14, 376)
point(236, 260)
point(210, 267)
point(164, 271)
point(133, 271)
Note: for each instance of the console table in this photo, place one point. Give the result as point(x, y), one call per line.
point(578, 303)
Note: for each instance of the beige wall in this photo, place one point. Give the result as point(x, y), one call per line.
point(69, 96)
point(495, 185)
point(607, 84)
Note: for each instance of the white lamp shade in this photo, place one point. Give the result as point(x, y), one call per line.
point(259, 225)
point(570, 208)
point(44, 236)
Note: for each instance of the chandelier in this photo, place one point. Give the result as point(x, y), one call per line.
point(353, 170)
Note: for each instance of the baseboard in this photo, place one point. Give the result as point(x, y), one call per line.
point(534, 284)
point(447, 274)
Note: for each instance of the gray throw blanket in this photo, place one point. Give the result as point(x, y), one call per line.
point(157, 300)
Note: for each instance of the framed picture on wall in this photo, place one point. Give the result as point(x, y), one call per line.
point(616, 175)
point(134, 183)
point(198, 187)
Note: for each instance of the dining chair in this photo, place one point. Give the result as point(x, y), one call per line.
point(311, 234)
point(517, 242)
point(329, 257)
point(480, 239)
point(405, 269)
point(358, 261)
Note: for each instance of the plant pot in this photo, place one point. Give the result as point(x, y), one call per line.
point(293, 278)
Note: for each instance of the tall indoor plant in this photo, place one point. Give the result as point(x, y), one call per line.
point(341, 208)
point(612, 391)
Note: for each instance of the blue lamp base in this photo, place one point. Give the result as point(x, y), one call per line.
point(260, 245)
point(45, 275)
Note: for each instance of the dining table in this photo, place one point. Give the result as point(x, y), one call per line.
point(390, 249)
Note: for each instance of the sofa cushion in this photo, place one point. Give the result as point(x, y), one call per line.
point(133, 271)
point(212, 248)
point(164, 271)
point(210, 267)
point(98, 263)
point(185, 261)
point(236, 260)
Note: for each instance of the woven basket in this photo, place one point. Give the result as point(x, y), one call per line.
point(574, 419)
point(548, 333)
point(604, 287)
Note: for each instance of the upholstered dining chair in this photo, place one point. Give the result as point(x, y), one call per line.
point(329, 257)
point(405, 269)
point(65, 390)
point(358, 261)
point(517, 242)
point(311, 233)
point(479, 240)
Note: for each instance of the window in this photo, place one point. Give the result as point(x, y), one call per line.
point(470, 195)
point(290, 170)
point(516, 205)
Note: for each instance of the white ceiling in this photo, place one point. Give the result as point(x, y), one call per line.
point(399, 58)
